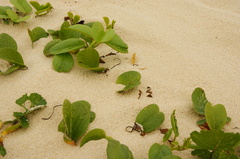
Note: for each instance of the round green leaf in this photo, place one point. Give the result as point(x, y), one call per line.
point(150, 118)
point(216, 116)
point(63, 62)
point(130, 79)
point(158, 151)
point(7, 41)
point(89, 58)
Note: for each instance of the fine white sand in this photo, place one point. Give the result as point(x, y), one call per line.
point(181, 44)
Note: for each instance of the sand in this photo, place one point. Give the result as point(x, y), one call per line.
point(180, 44)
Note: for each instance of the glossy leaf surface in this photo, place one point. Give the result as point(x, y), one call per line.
point(130, 79)
point(66, 33)
point(150, 118)
point(216, 116)
point(63, 62)
point(49, 46)
point(15, 18)
point(83, 29)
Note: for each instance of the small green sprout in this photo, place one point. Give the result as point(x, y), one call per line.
point(41, 9)
point(37, 102)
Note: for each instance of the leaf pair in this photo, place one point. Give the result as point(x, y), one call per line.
point(76, 118)
point(215, 144)
point(130, 79)
point(41, 8)
point(150, 118)
point(8, 52)
point(216, 116)
point(161, 152)
point(115, 150)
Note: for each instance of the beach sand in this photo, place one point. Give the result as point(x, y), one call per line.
point(179, 45)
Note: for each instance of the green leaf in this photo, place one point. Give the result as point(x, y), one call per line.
point(92, 116)
point(99, 35)
point(106, 20)
point(216, 116)
point(36, 5)
point(167, 135)
point(67, 45)
point(66, 33)
point(36, 100)
point(215, 139)
point(63, 62)
point(116, 150)
point(3, 151)
point(118, 44)
point(49, 46)
point(159, 151)
point(54, 33)
point(130, 79)
point(22, 119)
point(7, 41)
point(202, 153)
point(76, 19)
point(15, 18)
point(62, 127)
point(83, 29)
point(76, 118)
point(41, 9)
point(22, 5)
point(89, 58)
point(37, 33)
point(20, 101)
point(95, 134)
point(223, 155)
point(3, 13)
point(199, 100)
point(174, 124)
point(12, 56)
point(150, 118)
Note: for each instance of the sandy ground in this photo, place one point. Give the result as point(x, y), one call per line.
point(181, 44)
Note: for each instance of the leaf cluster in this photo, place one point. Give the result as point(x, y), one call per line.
point(8, 52)
point(30, 104)
point(21, 11)
point(78, 39)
